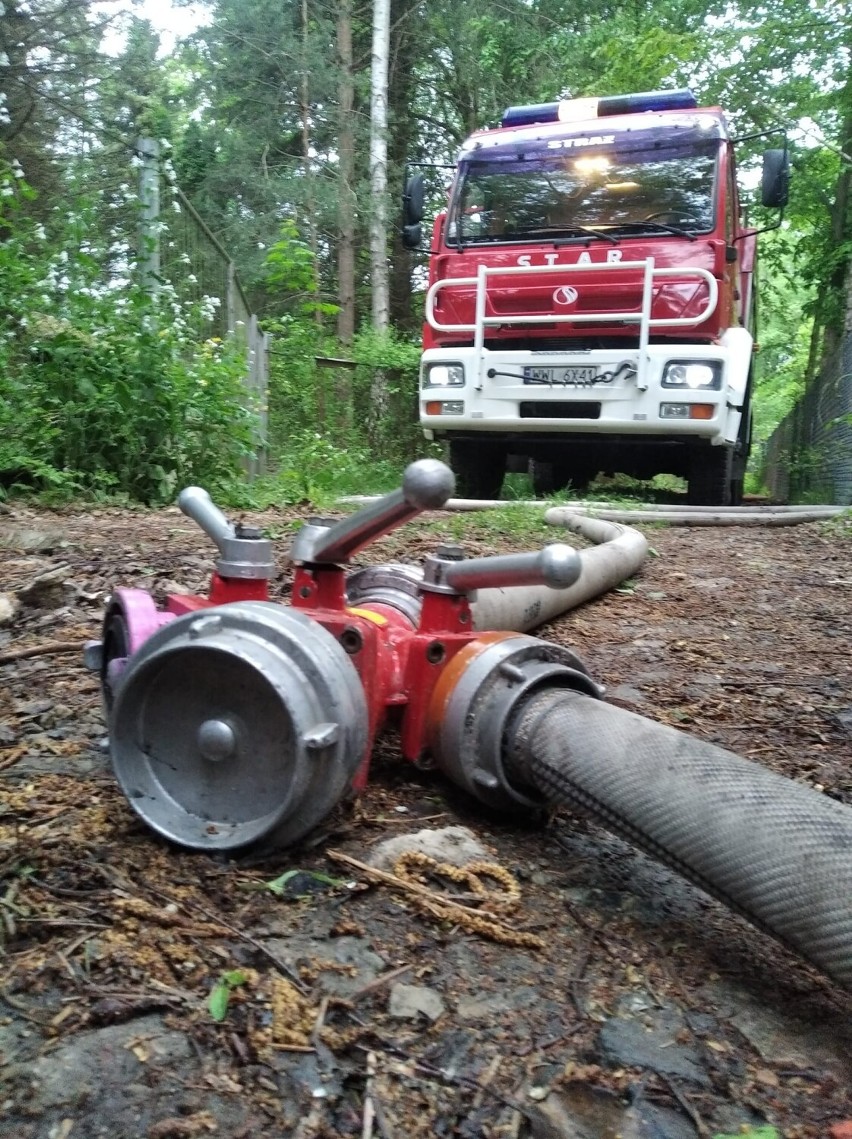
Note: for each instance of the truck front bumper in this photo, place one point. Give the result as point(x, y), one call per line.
point(602, 391)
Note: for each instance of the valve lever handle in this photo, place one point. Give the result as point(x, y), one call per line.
point(426, 485)
point(197, 504)
point(243, 553)
point(557, 566)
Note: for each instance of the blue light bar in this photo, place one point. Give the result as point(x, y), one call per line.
point(527, 116)
point(574, 110)
point(682, 100)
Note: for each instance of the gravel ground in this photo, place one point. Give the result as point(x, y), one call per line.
point(148, 992)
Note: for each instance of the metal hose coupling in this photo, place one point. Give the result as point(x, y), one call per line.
point(243, 551)
point(237, 725)
point(476, 698)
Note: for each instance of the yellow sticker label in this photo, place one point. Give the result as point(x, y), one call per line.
point(368, 615)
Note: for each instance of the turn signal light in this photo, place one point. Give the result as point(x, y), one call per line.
point(687, 410)
point(701, 411)
point(444, 407)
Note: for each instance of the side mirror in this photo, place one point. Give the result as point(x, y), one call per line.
point(775, 183)
point(412, 236)
point(412, 201)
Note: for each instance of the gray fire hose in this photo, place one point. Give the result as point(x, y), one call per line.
point(675, 514)
point(524, 728)
point(774, 850)
point(699, 515)
point(618, 553)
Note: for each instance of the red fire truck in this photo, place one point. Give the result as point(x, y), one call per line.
point(591, 298)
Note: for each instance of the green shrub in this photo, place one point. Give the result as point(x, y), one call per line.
point(103, 388)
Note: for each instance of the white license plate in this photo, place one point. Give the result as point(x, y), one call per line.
point(569, 376)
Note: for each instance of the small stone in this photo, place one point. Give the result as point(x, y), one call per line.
point(631, 1044)
point(51, 590)
point(34, 708)
point(456, 845)
point(408, 1001)
point(627, 694)
point(843, 718)
point(767, 1076)
point(8, 608)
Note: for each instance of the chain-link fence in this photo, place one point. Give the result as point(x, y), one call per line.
point(182, 250)
point(809, 455)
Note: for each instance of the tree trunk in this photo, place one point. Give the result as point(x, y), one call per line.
point(379, 163)
point(307, 164)
point(403, 57)
point(346, 200)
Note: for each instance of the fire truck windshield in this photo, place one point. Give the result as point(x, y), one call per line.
point(563, 188)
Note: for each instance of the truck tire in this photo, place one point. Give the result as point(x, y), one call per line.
point(548, 478)
point(478, 467)
point(742, 449)
point(709, 482)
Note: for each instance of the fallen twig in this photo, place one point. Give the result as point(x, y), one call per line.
point(23, 1009)
point(487, 1076)
point(443, 908)
point(369, 1107)
point(280, 965)
point(407, 1064)
point(404, 885)
point(11, 759)
point(697, 1122)
point(379, 982)
point(46, 649)
point(320, 1021)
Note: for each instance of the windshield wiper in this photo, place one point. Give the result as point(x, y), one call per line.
point(482, 239)
point(645, 226)
point(557, 231)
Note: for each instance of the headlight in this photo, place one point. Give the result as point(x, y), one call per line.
point(693, 375)
point(443, 376)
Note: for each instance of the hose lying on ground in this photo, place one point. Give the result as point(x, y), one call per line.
point(675, 514)
point(772, 849)
point(618, 553)
point(698, 515)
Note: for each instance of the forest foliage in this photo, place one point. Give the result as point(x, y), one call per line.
point(264, 111)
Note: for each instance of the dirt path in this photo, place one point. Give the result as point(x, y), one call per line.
point(650, 1011)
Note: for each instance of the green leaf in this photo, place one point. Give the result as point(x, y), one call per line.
point(218, 1001)
point(277, 884)
point(752, 1133)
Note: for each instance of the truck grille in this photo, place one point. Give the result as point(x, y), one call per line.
point(534, 409)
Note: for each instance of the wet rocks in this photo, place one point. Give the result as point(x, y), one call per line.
point(652, 1044)
point(409, 1002)
point(456, 845)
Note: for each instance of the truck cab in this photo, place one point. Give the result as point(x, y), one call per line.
point(590, 301)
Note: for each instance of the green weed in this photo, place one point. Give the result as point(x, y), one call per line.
point(220, 994)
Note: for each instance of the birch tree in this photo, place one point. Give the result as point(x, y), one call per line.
point(378, 163)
